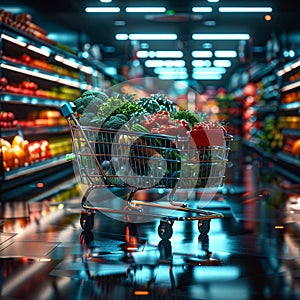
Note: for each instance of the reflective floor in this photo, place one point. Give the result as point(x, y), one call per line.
point(251, 253)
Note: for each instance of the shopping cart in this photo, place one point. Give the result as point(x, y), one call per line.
point(136, 161)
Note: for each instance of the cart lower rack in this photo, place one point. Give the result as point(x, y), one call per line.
point(123, 160)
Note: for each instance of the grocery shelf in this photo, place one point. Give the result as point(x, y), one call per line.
point(290, 159)
point(35, 130)
point(290, 86)
point(31, 100)
point(35, 72)
point(290, 131)
point(36, 167)
point(290, 106)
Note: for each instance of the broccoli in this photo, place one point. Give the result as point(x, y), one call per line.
point(90, 101)
point(114, 122)
point(86, 118)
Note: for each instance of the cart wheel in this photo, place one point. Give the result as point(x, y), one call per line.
point(204, 226)
point(87, 220)
point(165, 230)
point(86, 237)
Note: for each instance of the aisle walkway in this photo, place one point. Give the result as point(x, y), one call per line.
point(251, 253)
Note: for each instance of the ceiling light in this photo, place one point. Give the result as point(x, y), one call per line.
point(105, 1)
point(152, 36)
point(145, 9)
point(102, 9)
point(173, 76)
point(207, 77)
point(210, 70)
point(160, 54)
point(216, 36)
point(213, 1)
point(201, 9)
point(207, 45)
point(121, 36)
point(146, 36)
point(201, 63)
point(169, 70)
point(225, 63)
point(225, 53)
point(152, 63)
point(119, 23)
point(209, 23)
point(174, 54)
point(245, 9)
point(202, 54)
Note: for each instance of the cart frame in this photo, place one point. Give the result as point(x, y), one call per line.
point(85, 156)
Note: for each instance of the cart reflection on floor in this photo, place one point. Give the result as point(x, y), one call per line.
point(141, 270)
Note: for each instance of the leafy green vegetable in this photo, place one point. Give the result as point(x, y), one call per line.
point(114, 122)
point(89, 101)
point(155, 103)
point(118, 105)
point(191, 118)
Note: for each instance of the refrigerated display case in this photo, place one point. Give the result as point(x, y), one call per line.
point(37, 77)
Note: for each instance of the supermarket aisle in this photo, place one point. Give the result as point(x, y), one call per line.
point(251, 253)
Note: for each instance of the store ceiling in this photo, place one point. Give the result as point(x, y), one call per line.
point(75, 27)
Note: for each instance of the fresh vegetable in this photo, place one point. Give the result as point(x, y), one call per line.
point(114, 122)
point(139, 128)
point(90, 101)
point(155, 103)
point(208, 133)
point(160, 123)
point(191, 118)
point(118, 105)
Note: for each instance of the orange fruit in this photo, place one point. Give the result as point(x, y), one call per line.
point(296, 148)
point(17, 140)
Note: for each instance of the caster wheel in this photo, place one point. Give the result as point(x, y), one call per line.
point(165, 230)
point(86, 237)
point(87, 220)
point(204, 226)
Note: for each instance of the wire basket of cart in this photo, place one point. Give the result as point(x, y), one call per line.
point(134, 161)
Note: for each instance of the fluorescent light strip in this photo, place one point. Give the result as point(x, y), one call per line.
point(202, 54)
point(221, 36)
point(173, 76)
point(152, 63)
point(290, 86)
point(245, 9)
point(225, 53)
point(201, 9)
point(211, 70)
point(67, 62)
point(87, 70)
point(169, 70)
point(13, 40)
point(207, 77)
point(145, 36)
point(102, 9)
point(224, 63)
point(145, 9)
point(201, 63)
point(159, 54)
point(41, 75)
point(41, 51)
point(152, 36)
point(289, 68)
